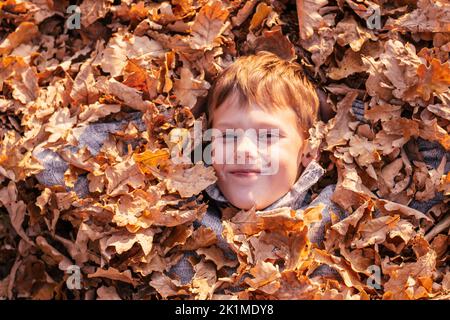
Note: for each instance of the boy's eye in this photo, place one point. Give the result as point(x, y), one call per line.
point(270, 136)
point(229, 136)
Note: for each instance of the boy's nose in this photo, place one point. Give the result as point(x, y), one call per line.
point(246, 148)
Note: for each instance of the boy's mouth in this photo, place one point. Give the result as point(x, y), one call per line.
point(245, 172)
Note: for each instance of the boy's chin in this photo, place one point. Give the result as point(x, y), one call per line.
point(247, 204)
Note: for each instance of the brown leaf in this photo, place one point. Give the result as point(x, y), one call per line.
point(92, 10)
point(25, 32)
point(262, 11)
point(209, 24)
point(122, 176)
point(216, 255)
point(404, 282)
point(95, 111)
point(375, 231)
point(122, 47)
point(114, 274)
point(188, 88)
point(265, 277)
point(182, 180)
point(123, 241)
point(165, 286)
point(309, 18)
point(84, 90)
point(107, 293)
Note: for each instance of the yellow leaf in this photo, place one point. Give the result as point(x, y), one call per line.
point(262, 11)
point(151, 158)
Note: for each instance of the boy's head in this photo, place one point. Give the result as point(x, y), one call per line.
point(258, 92)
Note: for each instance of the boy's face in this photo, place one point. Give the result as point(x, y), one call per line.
point(237, 155)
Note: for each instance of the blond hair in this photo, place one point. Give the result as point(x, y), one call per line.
point(268, 81)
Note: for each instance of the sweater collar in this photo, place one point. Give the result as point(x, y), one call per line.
point(294, 198)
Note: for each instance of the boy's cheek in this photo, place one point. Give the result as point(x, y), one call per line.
point(218, 155)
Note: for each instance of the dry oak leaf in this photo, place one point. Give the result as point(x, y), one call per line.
point(21, 77)
point(187, 89)
point(244, 13)
point(128, 212)
point(149, 82)
point(432, 79)
point(216, 255)
point(123, 47)
point(177, 237)
point(250, 222)
point(375, 231)
point(309, 17)
point(392, 208)
point(395, 72)
point(122, 176)
point(201, 237)
point(321, 45)
point(13, 164)
point(189, 182)
point(130, 96)
point(401, 63)
point(349, 276)
point(165, 286)
point(172, 218)
point(350, 190)
point(92, 10)
point(78, 250)
point(430, 16)
point(96, 111)
point(274, 41)
point(25, 32)
point(440, 110)
point(124, 240)
point(62, 261)
point(114, 274)
point(60, 124)
point(84, 90)
point(405, 127)
point(107, 293)
point(208, 26)
point(265, 277)
point(262, 11)
point(295, 286)
point(340, 132)
point(432, 131)
point(150, 159)
point(411, 280)
point(16, 209)
point(363, 150)
point(349, 32)
point(352, 61)
point(342, 227)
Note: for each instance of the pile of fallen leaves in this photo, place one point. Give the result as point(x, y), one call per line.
point(159, 58)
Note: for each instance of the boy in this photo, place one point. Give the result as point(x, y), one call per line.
point(262, 94)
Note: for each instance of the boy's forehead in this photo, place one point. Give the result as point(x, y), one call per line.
point(253, 116)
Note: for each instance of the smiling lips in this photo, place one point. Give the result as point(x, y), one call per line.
point(245, 173)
